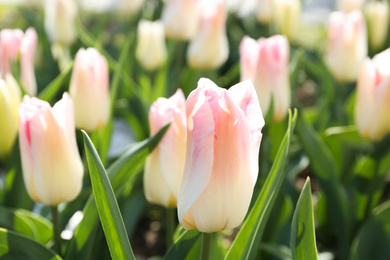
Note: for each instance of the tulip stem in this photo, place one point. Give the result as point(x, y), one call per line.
point(206, 245)
point(170, 218)
point(56, 229)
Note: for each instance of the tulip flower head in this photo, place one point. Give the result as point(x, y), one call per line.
point(264, 11)
point(209, 48)
point(346, 45)
point(180, 18)
point(164, 166)
point(286, 16)
point(265, 61)
point(151, 50)
point(221, 165)
point(129, 7)
point(373, 97)
point(10, 97)
point(10, 40)
point(52, 167)
point(377, 17)
point(89, 89)
point(349, 5)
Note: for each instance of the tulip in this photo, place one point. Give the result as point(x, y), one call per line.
point(377, 17)
point(286, 16)
point(373, 97)
point(27, 52)
point(164, 166)
point(10, 97)
point(129, 7)
point(346, 45)
point(52, 167)
point(60, 18)
point(221, 165)
point(151, 50)
point(265, 61)
point(10, 40)
point(264, 11)
point(209, 48)
point(350, 5)
point(180, 18)
point(89, 89)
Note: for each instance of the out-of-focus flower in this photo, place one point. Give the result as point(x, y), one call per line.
point(264, 11)
point(349, 5)
point(180, 18)
point(346, 44)
point(209, 48)
point(129, 7)
point(266, 62)
point(97, 6)
point(52, 167)
point(10, 40)
point(27, 53)
point(286, 15)
point(10, 98)
point(373, 97)
point(151, 50)
point(60, 21)
point(89, 89)
point(164, 166)
point(377, 17)
point(221, 166)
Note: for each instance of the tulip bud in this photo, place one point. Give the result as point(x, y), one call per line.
point(266, 62)
point(151, 50)
point(10, 40)
point(27, 53)
point(377, 17)
point(264, 10)
point(130, 7)
point(60, 21)
point(221, 166)
point(89, 89)
point(373, 97)
point(10, 98)
point(286, 16)
point(346, 45)
point(52, 167)
point(349, 5)
point(180, 18)
point(209, 48)
point(164, 166)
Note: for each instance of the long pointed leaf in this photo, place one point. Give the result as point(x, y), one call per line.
point(110, 216)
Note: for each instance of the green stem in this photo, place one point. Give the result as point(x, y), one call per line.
point(206, 245)
point(170, 221)
point(56, 229)
point(372, 189)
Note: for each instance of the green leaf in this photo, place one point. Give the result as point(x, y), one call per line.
point(347, 135)
point(121, 172)
point(324, 167)
point(373, 239)
point(303, 239)
point(15, 246)
point(246, 243)
point(183, 245)
point(49, 92)
point(110, 216)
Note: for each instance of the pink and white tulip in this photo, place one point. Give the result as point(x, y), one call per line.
point(286, 16)
point(373, 97)
point(346, 45)
point(27, 53)
point(89, 89)
point(209, 48)
point(265, 62)
point(164, 166)
point(52, 167)
point(221, 166)
point(10, 41)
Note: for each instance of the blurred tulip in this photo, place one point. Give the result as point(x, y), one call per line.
point(27, 53)
point(265, 61)
point(349, 5)
point(180, 18)
point(10, 40)
point(10, 97)
point(264, 11)
point(151, 50)
point(373, 97)
point(129, 7)
point(377, 17)
point(286, 15)
point(60, 18)
point(221, 166)
point(209, 48)
point(52, 167)
point(89, 89)
point(346, 45)
point(164, 166)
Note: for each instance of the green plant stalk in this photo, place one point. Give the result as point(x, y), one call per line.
point(56, 229)
point(370, 199)
point(170, 219)
point(206, 245)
